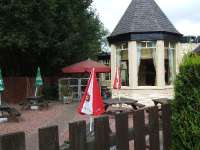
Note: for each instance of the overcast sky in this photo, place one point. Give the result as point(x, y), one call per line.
point(184, 14)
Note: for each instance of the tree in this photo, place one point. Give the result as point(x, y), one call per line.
point(47, 33)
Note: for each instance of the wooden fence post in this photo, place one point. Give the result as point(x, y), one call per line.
point(166, 123)
point(77, 135)
point(48, 138)
point(139, 130)
point(121, 122)
point(154, 128)
point(13, 141)
point(101, 128)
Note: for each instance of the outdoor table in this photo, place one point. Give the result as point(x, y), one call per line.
point(9, 112)
point(36, 101)
point(4, 108)
point(114, 101)
point(161, 101)
point(34, 98)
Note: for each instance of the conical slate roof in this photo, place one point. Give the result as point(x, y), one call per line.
point(143, 16)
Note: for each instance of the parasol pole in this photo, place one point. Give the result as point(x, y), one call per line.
point(0, 99)
point(1, 113)
point(36, 91)
point(91, 123)
point(119, 94)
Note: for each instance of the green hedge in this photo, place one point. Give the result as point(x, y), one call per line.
point(186, 106)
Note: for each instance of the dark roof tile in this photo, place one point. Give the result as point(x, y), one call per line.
point(143, 16)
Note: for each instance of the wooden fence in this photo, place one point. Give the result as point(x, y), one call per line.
point(18, 88)
point(148, 125)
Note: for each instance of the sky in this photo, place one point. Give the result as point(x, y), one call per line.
point(184, 14)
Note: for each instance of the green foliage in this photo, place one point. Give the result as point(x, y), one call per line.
point(50, 92)
point(66, 90)
point(47, 33)
point(186, 106)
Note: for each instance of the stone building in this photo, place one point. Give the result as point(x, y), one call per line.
point(189, 44)
point(197, 50)
point(104, 58)
point(146, 47)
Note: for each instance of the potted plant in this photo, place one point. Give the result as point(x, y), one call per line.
point(66, 93)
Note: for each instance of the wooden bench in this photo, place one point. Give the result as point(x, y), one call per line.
point(121, 101)
point(34, 101)
point(138, 106)
point(129, 102)
point(9, 112)
point(161, 101)
point(14, 115)
point(43, 104)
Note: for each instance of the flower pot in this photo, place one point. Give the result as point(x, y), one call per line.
point(67, 99)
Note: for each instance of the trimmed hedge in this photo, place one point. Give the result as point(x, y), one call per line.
point(186, 106)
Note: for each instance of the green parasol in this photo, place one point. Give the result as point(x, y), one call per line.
point(38, 80)
point(1, 85)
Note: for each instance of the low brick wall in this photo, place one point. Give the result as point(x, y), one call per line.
point(17, 88)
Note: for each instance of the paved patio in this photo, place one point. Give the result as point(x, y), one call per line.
point(57, 114)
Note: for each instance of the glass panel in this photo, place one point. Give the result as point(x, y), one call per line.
point(172, 45)
point(151, 44)
point(124, 55)
point(107, 76)
point(124, 46)
point(122, 61)
point(141, 44)
point(166, 44)
point(146, 53)
point(124, 73)
point(138, 57)
point(170, 63)
point(147, 65)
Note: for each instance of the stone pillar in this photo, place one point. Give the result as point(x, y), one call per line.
point(132, 57)
point(160, 67)
point(113, 62)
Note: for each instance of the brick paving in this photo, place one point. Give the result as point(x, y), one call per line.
point(57, 114)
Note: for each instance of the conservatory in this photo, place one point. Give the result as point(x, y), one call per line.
point(145, 45)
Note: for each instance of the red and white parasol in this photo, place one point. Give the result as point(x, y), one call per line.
point(92, 102)
point(117, 82)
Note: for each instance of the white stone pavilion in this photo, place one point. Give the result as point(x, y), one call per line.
point(145, 45)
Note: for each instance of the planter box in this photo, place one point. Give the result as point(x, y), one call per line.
point(67, 99)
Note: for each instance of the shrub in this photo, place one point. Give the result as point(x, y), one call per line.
point(186, 106)
point(50, 92)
